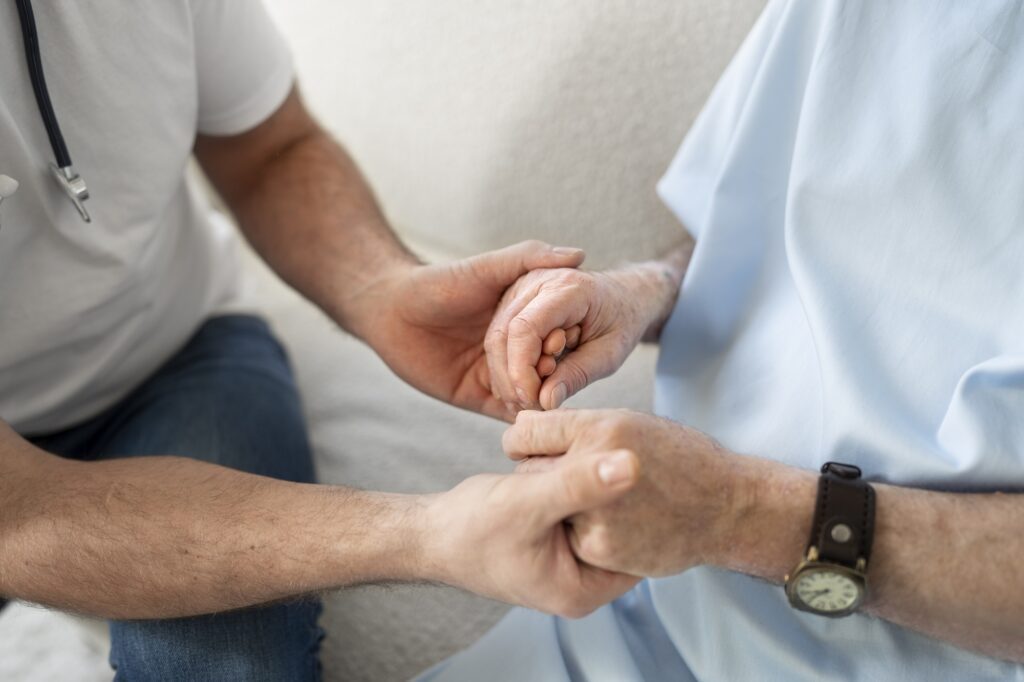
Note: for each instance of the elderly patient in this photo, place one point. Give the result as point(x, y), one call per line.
point(855, 297)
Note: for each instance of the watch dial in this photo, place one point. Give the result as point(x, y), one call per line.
point(827, 591)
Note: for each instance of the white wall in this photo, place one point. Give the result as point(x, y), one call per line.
point(482, 122)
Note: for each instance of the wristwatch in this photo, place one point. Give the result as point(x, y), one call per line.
point(831, 580)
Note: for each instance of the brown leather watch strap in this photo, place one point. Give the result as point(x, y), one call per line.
point(844, 518)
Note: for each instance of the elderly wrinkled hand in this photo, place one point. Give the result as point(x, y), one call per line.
point(683, 509)
point(557, 330)
point(428, 322)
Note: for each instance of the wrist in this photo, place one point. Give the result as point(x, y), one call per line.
point(643, 295)
point(366, 307)
point(670, 269)
point(393, 535)
point(769, 519)
point(657, 283)
point(434, 560)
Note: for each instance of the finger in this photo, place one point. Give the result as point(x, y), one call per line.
point(499, 269)
point(546, 366)
point(496, 346)
point(593, 543)
point(495, 353)
point(603, 586)
point(596, 585)
point(572, 337)
point(554, 343)
point(585, 483)
point(492, 407)
point(542, 433)
point(578, 369)
point(599, 551)
point(548, 311)
point(482, 396)
point(533, 465)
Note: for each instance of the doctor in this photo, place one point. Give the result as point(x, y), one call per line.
point(154, 463)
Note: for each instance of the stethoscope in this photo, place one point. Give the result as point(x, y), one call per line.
point(63, 172)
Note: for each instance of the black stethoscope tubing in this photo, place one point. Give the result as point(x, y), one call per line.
point(63, 171)
point(35, 70)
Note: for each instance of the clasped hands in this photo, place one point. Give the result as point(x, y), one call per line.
point(600, 497)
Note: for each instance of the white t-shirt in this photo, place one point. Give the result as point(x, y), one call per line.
point(88, 311)
point(856, 295)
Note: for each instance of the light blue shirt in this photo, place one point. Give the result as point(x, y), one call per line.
point(856, 187)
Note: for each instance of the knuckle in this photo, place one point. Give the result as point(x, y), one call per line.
point(578, 282)
point(524, 420)
point(501, 496)
point(577, 374)
point(495, 335)
point(596, 545)
point(618, 423)
point(526, 466)
point(508, 438)
point(570, 283)
point(493, 354)
point(521, 325)
point(490, 344)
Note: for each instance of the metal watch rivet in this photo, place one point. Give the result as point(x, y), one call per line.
point(841, 532)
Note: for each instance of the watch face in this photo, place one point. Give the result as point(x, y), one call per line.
point(827, 591)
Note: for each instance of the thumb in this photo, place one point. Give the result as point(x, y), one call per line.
point(590, 482)
point(588, 363)
point(503, 267)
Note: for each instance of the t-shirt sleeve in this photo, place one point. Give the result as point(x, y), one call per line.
point(243, 64)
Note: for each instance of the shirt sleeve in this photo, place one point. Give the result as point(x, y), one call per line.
point(243, 65)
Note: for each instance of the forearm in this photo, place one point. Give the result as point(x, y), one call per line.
point(944, 564)
point(314, 220)
point(656, 283)
point(159, 537)
point(305, 207)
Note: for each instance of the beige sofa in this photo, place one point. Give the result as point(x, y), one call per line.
point(480, 123)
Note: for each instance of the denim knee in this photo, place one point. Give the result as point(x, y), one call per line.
point(269, 644)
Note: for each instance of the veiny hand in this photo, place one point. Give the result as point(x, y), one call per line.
point(682, 512)
point(594, 318)
point(429, 321)
point(504, 537)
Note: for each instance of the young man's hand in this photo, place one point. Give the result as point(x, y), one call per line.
point(504, 537)
point(428, 321)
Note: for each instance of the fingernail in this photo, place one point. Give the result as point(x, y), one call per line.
point(566, 251)
point(616, 469)
point(559, 395)
point(523, 398)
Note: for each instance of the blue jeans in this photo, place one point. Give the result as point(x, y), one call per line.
point(227, 397)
